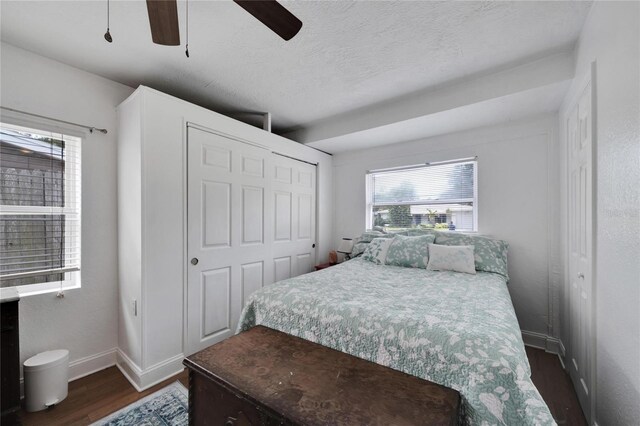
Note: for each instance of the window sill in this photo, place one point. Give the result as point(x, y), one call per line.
point(9, 294)
point(12, 293)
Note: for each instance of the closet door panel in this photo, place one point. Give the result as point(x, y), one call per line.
point(294, 186)
point(252, 215)
point(305, 214)
point(282, 213)
point(251, 221)
point(216, 291)
point(281, 268)
point(252, 279)
point(216, 214)
point(228, 233)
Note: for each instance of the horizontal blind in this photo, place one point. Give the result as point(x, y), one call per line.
point(440, 196)
point(39, 207)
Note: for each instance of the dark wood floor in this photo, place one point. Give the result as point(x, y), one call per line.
point(92, 398)
point(98, 395)
point(555, 387)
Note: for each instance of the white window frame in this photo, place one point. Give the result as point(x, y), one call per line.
point(369, 190)
point(73, 179)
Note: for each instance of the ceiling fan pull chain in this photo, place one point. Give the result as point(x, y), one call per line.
point(186, 52)
point(107, 35)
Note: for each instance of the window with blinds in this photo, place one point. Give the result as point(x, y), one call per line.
point(437, 195)
point(39, 210)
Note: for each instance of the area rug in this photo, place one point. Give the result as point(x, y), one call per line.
point(168, 406)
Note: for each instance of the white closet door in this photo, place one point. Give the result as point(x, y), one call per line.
point(251, 221)
point(294, 217)
point(580, 191)
point(229, 233)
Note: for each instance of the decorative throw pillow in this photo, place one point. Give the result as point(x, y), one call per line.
point(420, 231)
point(451, 258)
point(490, 255)
point(360, 244)
point(376, 251)
point(358, 249)
point(410, 252)
point(368, 236)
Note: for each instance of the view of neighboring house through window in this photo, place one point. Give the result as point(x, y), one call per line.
point(39, 210)
point(432, 196)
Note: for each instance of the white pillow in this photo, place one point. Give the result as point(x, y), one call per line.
point(451, 258)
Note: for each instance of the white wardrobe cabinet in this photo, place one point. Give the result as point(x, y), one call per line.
point(250, 206)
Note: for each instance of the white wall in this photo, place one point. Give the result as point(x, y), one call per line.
point(517, 201)
point(85, 321)
point(611, 37)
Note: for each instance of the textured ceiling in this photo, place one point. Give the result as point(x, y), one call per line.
point(348, 54)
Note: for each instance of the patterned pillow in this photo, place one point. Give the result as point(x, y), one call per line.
point(358, 249)
point(490, 255)
point(368, 236)
point(376, 251)
point(410, 252)
point(451, 258)
point(420, 231)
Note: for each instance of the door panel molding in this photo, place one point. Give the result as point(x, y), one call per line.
point(216, 202)
point(252, 215)
point(216, 295)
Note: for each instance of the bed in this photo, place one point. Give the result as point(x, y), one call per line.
point(455, 329)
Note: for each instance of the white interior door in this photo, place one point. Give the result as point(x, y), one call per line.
point(229, 212)
point(580, 220)
point(294, 217)
point(251, 219)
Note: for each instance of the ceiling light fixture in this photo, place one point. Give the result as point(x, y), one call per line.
point(107, 35)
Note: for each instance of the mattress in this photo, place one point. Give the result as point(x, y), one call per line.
point(458, 330)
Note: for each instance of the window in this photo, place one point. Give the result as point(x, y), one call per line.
point(39, 210)
point(436, 195)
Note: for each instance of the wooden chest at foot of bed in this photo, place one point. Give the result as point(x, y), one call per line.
point(265, 377)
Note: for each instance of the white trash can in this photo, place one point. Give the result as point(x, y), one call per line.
point(46, 379)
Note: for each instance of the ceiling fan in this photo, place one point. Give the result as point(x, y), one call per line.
point(163, 19)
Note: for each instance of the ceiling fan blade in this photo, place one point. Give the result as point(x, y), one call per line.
point(273, 15)
point(163, 19)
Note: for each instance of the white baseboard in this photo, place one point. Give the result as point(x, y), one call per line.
point(140, 380)
point(144, 379)
point(563, 351)
point(562, 354)
point(84, 366)
point(541, 341)
point(129, 369)
point(90, 364)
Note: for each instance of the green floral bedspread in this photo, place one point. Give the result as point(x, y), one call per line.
point(455, 329)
